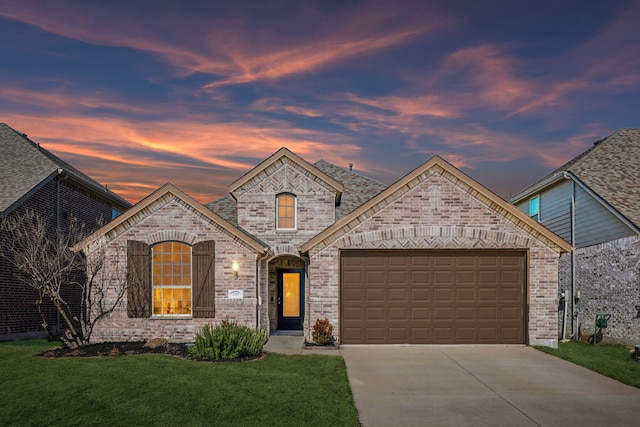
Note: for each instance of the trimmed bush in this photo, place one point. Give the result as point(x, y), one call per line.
point(228, 340)
point(322, 331)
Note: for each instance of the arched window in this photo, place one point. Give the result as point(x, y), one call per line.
point(171, 278)
point(286, 211)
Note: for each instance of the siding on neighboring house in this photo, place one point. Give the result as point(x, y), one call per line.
point(555, 209)
point(595, 223)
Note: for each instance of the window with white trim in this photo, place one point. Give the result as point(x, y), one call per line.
point(285, 211)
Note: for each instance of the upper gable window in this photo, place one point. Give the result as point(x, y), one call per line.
point(286, 212)
point(534, 208)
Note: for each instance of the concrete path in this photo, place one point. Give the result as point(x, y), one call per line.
point(292, 344)
point(482, 386)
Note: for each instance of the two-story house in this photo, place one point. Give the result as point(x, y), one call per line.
point(433, 258)
point(33, 178)
point(593, 202)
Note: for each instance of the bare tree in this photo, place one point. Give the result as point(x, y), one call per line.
point(46, 262)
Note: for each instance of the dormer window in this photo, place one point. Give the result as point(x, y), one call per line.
point(285, 211)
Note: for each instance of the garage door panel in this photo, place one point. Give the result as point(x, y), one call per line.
point(510, 313)
point(487, 313)
point(441, 277)
point(375, 276)
point(420, 295)
point(443, 295)
point(398, 295)
point(443, 313)
point(465, 295)
point(375, 296)
point(487, 294)
point(465, 334)
point(398, 313)
point(510, 294)
point(465, 313)
point(430, 297)
point(375, 313)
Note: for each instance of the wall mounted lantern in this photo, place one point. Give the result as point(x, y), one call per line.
point(235, 266)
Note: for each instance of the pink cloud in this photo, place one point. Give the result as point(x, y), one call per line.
point(223, 46)
point(135, 157)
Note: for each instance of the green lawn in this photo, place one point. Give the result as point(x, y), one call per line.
point(611, 360)
point(162, 390)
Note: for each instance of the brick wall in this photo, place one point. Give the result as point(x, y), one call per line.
point(434, 213)
point(170, 219)
point(608, 278)
point(18, 314)
point(315, 204)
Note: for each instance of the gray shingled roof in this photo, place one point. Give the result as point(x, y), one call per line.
point(357, 190)
point(26, 164)
point(611, 168)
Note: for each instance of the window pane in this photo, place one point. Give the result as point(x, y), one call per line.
point(534, 207)
point(171, 278)
point(286, 211)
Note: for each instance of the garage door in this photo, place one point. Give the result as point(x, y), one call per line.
point(426, 297)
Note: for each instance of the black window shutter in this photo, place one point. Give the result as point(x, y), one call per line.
point(138, 280)
point(203, 257)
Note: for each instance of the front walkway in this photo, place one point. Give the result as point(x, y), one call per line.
point(292, 344)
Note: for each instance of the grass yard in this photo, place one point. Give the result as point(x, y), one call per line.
point(162, 390)
point(610, 360)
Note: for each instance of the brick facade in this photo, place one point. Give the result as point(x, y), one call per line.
point(608, 278)
point(171, 219)
point(435, 213)
point(58, 201)
point(436, 209)
point(257, 205)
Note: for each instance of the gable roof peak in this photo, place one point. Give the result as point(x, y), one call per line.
point(169, 188)
point(291, 156)
point(438, 165)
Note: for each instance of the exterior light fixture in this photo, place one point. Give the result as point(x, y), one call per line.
point(235, 266)
point(577, 297)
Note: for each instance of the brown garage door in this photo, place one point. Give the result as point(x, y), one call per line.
point(427, 297)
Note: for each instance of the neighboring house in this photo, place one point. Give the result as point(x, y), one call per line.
point(33, 178)
point(593, 202)
point(433, 258)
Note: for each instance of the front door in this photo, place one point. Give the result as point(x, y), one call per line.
point(290, 299)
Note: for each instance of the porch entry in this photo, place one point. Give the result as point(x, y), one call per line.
point(290, 299)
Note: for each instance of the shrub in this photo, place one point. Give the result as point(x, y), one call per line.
point(228, 340)
point(322, 331)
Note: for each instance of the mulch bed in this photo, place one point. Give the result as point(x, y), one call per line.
point(154, 346)
point(118, 349)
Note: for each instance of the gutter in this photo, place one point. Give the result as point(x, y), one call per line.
point(536, 188)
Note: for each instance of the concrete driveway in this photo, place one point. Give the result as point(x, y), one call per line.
point(482, 386)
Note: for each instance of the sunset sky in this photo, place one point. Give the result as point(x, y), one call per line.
point(138, 93)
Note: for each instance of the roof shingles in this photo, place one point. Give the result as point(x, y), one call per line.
point(26, 164)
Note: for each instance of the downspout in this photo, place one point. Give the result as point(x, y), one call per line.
point(572, 213)
point(574, 322)
point(259, 260)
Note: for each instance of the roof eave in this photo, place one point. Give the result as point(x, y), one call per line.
point(167, 188)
